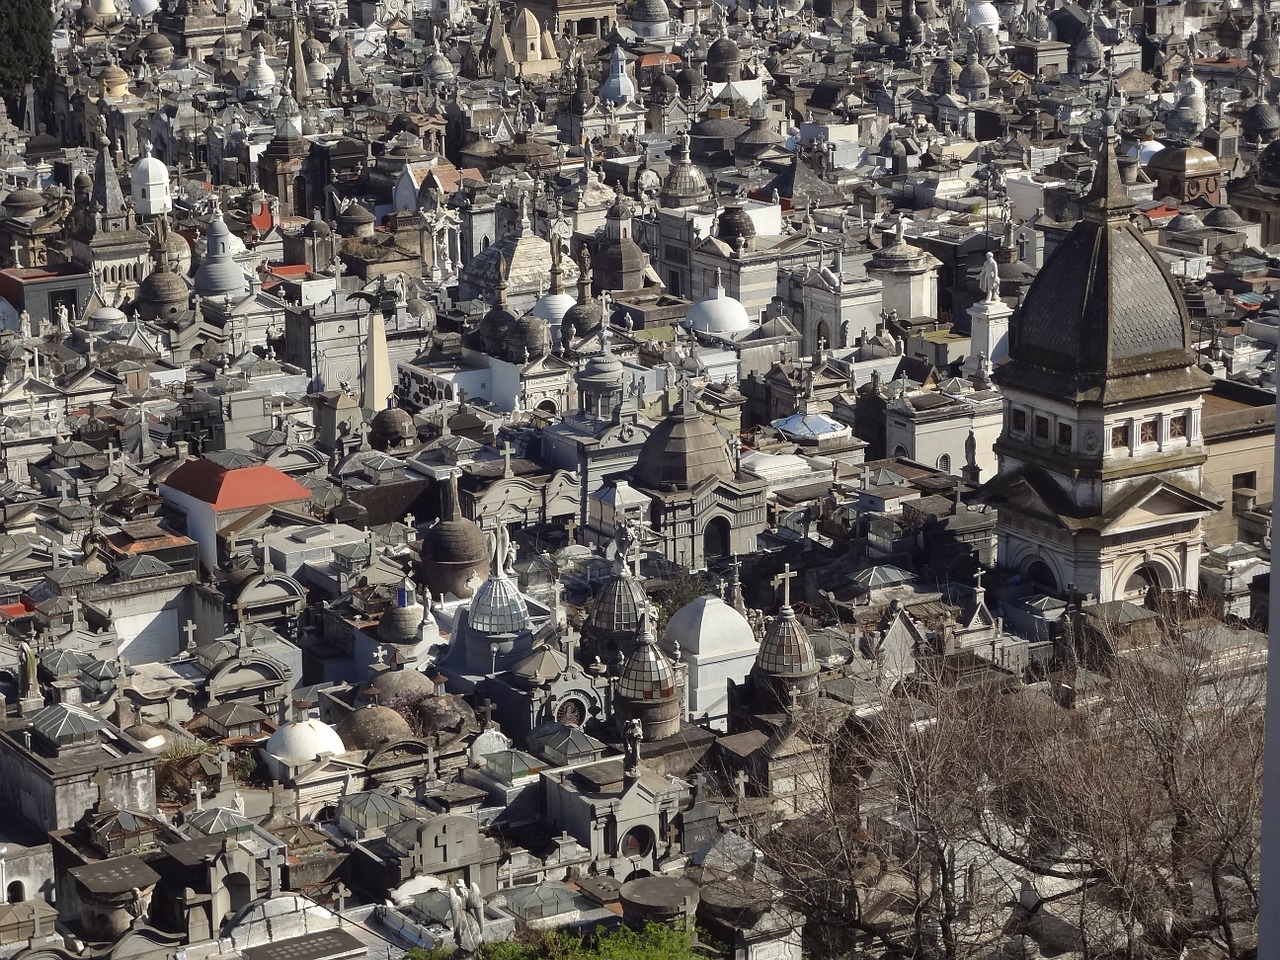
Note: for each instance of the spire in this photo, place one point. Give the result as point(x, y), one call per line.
point(1107, 200)
point(297, 76)
point(378, 383)
point(500, 287)
point(106, 183)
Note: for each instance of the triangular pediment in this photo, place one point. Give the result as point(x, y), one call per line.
point(1164, 503)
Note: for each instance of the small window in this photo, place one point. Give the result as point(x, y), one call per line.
point(944, 463)
point(1042, 428)
point(1120, 436)
point(1178, 427)
point(1064, 434)
point(1148, 433)
point(1245, 481)
point(1019, 421)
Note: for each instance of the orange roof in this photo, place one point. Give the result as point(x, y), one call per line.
point(658, 59)
point(258, 485)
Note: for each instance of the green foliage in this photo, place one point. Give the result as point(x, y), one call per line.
point(27, 50)
point(682, 589)
point(654, 942)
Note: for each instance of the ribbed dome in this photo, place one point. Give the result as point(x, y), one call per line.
point(260, 78)
point(23, 202)
point(454, 541)
point(301, 741)
point(708, 627)
point(786, 650)
point(392, 427)
point(498, 607)
point(619, 606)
point(664, 89)
point(1103, 310)
point(983, 13)
point(723, 52)
point(163, 293)
point(219, 274)
point(735, 223)
point(528, 338)
point(650, 11)
point(371, 727)
point(683, 450)
point(1089, 49)
point(686, 183)
point(646, 675)
point(974, 74)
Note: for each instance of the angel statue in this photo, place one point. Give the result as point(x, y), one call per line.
point(466, 912)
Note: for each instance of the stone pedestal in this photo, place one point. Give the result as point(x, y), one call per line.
point(989, 332)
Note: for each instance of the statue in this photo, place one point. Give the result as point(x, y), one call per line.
point(24, 325)
point(632, 736)
point(989, 278)
point(27, 670)
point(61, 314)
point(466, 914)
point(971, 450)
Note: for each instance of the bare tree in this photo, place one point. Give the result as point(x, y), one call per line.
point(952, 810)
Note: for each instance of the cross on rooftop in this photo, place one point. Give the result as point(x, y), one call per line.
point(784, 580)
point(189, 628)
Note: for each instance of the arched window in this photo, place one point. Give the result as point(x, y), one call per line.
point(16, 892)
point(944, 463)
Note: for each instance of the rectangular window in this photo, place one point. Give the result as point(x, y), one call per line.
point(1245, 481)
point(1120, 436)
point(1019, 421)
point(1064, 434)
point(1178, 427)
point(1042, 428)
point(1148, 433)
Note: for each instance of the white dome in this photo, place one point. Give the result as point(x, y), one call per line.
point(984, 14)
point(618, 87)
point(301, 741)
point(718, 313)
point(149, 184)
point(552, 307)
point(1145, 150)
point(261, 79)
point(143, 8)
point(708, 627)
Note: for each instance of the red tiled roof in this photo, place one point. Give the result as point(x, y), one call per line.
point(254, 486)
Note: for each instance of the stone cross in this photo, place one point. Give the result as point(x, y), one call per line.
point(340, 894)
point(431, 762)
point(740, 779)
point(189, 628)
point(275, 860)
point(75, 609)
point(64, 488)
point(506, 452)
point(380, 655)
point(784, 580)
point(101, 779)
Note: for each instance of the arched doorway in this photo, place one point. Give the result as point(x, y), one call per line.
point(547, 407)
point(822, 336)
point(16, 892)
point(715, 539)
point(1145, 584)
point(239, 891)
point(1039, 573)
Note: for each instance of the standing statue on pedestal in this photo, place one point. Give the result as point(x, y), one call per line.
point(632, 736)
point(989, 278)
point(466, 913)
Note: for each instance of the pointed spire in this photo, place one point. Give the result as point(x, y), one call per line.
point(378, 382)
point(1107, 199)
point(500, 287)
